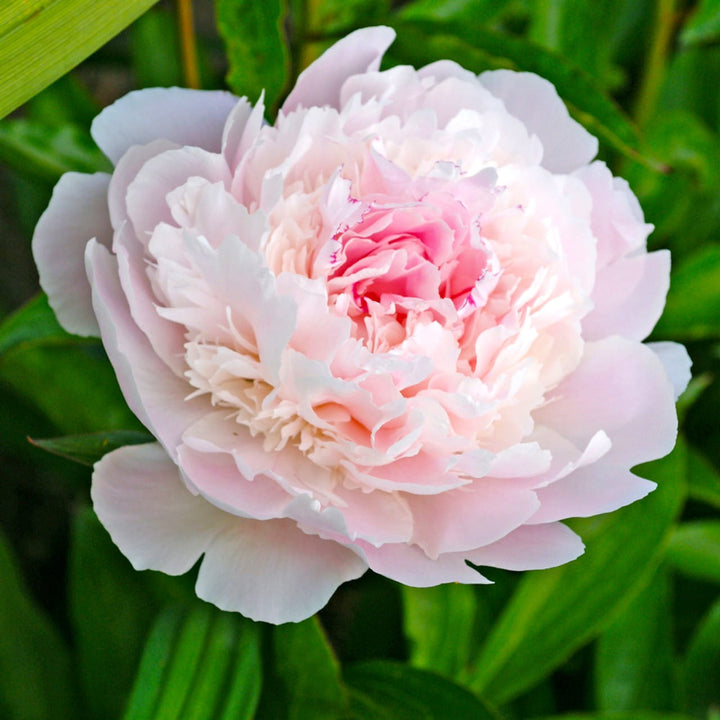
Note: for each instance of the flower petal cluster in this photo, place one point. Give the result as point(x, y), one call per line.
point(400, 328)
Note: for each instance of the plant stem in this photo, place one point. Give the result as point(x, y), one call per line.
point(191, 73)
point(664, 29)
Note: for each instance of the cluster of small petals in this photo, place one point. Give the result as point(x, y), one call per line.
point(400, 328)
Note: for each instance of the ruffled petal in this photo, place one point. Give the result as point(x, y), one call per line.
point(320, 83)
point(147, 204)
point(125, 172)
point(272, 572)
point(167, 338)
point(566, 143)
point(217, 477)
point(77, 212)
point(185, 117)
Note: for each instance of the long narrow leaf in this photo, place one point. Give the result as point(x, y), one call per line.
point(41, 40)
point(199, 664)
point(35, 678)
point(554, 612)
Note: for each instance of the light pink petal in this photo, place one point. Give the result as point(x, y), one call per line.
point(532, 99)
point(409, 565)
point(217, 477)
point(125, 172)
point(591, 490)
point(77, 212)
point(141, 500)
point(167, 338)
point(677, 363)
point(147, 205)
point(242, 127)
point(150, 388)
point(533, 547)
point(617, 218)
point(234, 128)
point(629, 296)
point(272, 572)
point(522, 460)
point(238, 276)
point(289, 468)
point(620, 387)
point(320, 84)
point(185, 117)
point(377, 517)
point(474, 515)
point(444, 69)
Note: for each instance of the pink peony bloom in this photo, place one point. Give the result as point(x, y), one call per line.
point(399, 329)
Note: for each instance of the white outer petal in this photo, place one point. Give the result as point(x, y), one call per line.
point(141, 500)
point(320, 83)
point(267, 570)
point(534, 101)
point(271, 571)
point(77, 212)
point(677, 363)
point(185, 117)
point(152, 391)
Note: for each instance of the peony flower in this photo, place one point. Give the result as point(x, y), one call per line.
point(399, 329)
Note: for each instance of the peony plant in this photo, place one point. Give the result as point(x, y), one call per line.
point(400, 328)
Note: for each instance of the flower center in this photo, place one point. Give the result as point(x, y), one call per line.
point(404, 263)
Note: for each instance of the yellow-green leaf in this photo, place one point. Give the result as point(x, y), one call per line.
point(41, 40)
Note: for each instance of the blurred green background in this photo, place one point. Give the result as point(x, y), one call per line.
point(630, 631)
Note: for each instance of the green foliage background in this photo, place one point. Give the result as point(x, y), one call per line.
point(631, 631)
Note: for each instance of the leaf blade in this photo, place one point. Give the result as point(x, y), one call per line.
point(554, 612)
point(34, 47)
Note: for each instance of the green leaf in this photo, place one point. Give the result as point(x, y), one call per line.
point(47, 151)
point(700, 671)
point(438, 623)
point(155, 49)
point(694, 550)
point(32, 322)
point(385, 690)
point(256, 48)
point(111, 612)
point(704, 24)
point(70, 380)
point(477, 11)
point(198, 664)
point(703, 479)
point(579, 90)
point(587, 33)
point(307, 674)
point(634, 715)
point(634, 655)
point(692, 310)
point(35, 668)
point(689, 83)
point(40, 40)
point(88, 449)
point(341, 16)
point(684, 203)
point(554, 612)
